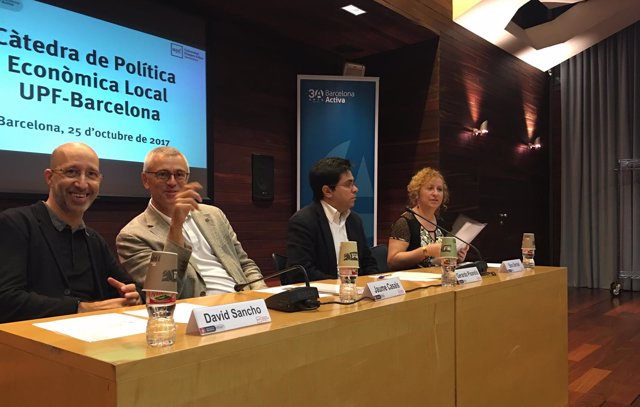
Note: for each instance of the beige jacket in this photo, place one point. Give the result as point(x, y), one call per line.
point(148, 232)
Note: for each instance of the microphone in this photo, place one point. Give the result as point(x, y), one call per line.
point(481, 265)
point(295, 299)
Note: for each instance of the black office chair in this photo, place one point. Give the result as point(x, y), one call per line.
point(280, 262)
point(379, 253)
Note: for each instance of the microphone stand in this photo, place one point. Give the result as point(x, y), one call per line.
point(481, 265)
point(295, 299)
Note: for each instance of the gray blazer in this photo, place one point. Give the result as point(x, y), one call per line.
point(148, 232)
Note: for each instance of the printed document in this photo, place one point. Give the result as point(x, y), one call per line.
point(466, 229)
point(97, 327)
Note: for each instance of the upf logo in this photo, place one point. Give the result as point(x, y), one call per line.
point(315, 95)
point(176, 50)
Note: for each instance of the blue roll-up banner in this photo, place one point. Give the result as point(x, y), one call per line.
point(338, 117)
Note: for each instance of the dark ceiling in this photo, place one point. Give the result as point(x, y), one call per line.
point(321, 23)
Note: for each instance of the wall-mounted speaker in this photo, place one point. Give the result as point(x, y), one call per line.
point(262, 177)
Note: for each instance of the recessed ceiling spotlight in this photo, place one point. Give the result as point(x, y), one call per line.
point(353, 10)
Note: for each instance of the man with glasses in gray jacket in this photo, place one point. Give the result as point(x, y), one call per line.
point(211, 260)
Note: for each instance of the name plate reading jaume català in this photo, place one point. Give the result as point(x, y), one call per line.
point(511, 266)
point(386, 288)
point(220, 318)
point(468, 275)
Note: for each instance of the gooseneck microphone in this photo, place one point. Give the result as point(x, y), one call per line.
point(481, 265)
point(295, 299)
point(239, 287)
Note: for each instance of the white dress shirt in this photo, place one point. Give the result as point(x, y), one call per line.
point(337, 224)
point(216, 278)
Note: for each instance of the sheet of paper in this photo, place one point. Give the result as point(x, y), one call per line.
point(332, 289)
point(274, 290)
point(181, 314)
point(94, 328)
point(466, 229)
point(415, 276)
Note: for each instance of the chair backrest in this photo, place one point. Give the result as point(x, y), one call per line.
point(280, 262)
point(379, 253)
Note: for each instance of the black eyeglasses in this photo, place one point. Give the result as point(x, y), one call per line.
point(76, 173)
point(165, 175)
point(349, 185)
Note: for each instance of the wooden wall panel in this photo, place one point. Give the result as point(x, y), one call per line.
point(408, 128)
point(495, 178)
point(253, 92)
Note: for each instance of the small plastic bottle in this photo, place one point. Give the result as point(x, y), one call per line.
point(528, 250)
point(448, 261)
point(348, 265)
point(448, 271)
point(348, 287)
point(161, 328)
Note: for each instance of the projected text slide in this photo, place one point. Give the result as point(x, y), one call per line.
point(68, 77)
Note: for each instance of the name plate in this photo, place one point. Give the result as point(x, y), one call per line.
point(511, 266)
point(468, 275)
point(385, 288)
point(220, 318)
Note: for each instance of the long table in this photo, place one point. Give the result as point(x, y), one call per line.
point(496, 342)
point(395, 352)
point(512, 340)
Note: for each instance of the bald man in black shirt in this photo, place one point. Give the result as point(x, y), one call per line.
point(51, 262)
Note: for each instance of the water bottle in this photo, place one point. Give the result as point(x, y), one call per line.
point(161, 287)
point(528, 250)
point(348, 266)
point(161, 328)
point(527, 258)
point(448, 271)
point(348, 288)
point(448, 261)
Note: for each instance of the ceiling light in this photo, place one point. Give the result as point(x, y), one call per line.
point(353, 10)
point(545, 45)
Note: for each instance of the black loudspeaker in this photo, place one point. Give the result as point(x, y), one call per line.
point(262, 177)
